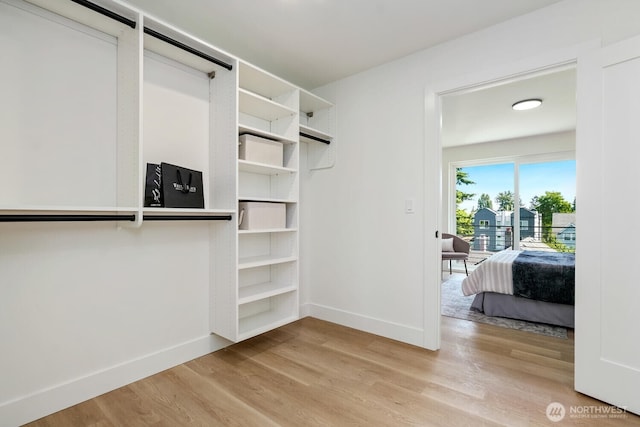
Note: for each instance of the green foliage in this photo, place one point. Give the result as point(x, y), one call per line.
point(552, 202)
point(553, 243)
point(505, 200)
point(464, 223)
point(464, 219)
point(462, 178)
point(485, 202)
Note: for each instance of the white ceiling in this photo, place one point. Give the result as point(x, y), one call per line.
point(486, 114)
point(314, 42)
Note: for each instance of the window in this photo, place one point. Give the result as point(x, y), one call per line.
point(527, 202)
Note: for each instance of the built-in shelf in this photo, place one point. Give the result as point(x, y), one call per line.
point(75, 217)
point(309, 134)
point(187, 211)
point(256, 325)
point(267, 286)
point(258, 106)
point(247, 294)
point(67, 214)
point(242, 128)
point(57, 214)
point(185, 214)
point(265, 199)
point(65, 209)
point(268, 230)
point(261, 261)
point(263, 169)
point(310, 103)
point(261, 82)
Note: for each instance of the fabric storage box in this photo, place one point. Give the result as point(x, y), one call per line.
point(261, 150)
point(262, 215)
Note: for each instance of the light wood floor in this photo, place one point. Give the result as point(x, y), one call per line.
point(316, 373)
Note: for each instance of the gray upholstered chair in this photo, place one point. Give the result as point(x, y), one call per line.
point(460, 251)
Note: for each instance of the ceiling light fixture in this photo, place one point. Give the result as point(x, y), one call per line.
point(527, 104)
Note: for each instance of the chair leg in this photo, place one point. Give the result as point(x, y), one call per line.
point(465, 266)
point(449, 266)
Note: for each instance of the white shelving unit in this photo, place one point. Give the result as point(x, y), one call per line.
point(265, 295)
point(133, 90)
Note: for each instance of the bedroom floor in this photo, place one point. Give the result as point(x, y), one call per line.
point(312, 372)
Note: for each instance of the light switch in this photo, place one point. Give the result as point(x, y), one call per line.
point(409, 206)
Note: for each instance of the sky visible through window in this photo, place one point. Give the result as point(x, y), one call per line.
point(535, 180)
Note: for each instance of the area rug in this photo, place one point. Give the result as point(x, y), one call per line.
point(455, 304)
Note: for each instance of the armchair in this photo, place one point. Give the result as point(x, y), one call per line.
point(460, 250)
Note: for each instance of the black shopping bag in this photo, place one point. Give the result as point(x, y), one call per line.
point(181, 187)
point(153, 186)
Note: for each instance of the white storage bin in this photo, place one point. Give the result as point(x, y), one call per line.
point(262, 215)
point(261, 150)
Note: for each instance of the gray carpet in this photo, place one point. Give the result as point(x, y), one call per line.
point(455, 304)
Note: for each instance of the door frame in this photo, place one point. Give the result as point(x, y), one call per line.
point(432, 176)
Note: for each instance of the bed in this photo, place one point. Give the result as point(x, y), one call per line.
point(537, 286)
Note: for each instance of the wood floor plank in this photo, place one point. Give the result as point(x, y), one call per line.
point(125, 401)
point(282, 400)
point(315, 373)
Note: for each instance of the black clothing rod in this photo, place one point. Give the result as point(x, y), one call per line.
point(95, 218)
point(64, 217)
point(187, 218)
point(187, 48)
point(315, 138)
point(106, 12)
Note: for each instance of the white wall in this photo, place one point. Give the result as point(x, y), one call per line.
point(368, 267)
point(87, 307)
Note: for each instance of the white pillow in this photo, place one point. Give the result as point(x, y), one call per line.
point(447, 245)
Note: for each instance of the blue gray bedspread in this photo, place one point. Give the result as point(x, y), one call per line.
point(545, 276)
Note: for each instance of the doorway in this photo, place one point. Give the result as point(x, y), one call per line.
point(464, 117)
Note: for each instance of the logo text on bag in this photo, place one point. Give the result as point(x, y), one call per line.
point(180, 187)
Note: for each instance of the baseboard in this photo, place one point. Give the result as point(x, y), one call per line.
point(47, 401)
point(395, 331)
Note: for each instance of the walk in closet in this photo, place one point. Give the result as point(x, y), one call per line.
point(93, 91)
